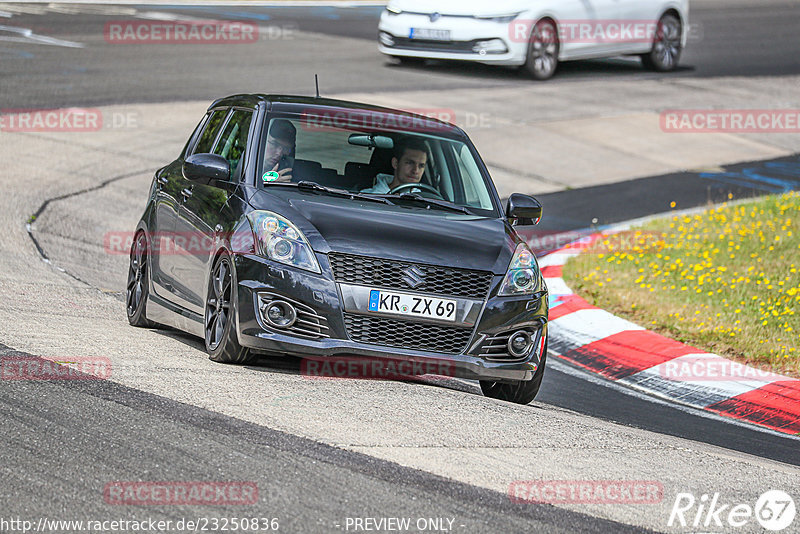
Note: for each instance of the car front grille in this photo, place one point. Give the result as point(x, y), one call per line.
point(428, 45)
point(407, 335)
point(391, 274)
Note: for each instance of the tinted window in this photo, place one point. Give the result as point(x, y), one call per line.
point(210, 133)
point(233, 142)
point(195, 132)
point(357, 155)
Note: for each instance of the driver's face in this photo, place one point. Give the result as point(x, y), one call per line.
point(276, 149)
point(409, 168)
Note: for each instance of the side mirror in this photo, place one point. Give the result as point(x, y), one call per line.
point(523, 209)
point(206, 168)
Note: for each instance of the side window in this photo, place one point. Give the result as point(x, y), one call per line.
point(233, 142)
point(210, 133)
point(195, 133)
point(475, 190)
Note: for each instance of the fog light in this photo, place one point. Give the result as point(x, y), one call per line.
point(279, 314)
point(386, 39)
point(491, 46)
point(519, 344)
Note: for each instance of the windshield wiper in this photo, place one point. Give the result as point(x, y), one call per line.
point(343, 193)
point(431, 202)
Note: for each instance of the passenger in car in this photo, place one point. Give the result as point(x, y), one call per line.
point(280, 147)
point(410, 158)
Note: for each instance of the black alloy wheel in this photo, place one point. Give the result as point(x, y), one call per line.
point(138, 283)
point(222, 344)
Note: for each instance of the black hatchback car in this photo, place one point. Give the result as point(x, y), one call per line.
point(326, 229)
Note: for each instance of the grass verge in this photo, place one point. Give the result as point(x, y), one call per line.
point(726, 281)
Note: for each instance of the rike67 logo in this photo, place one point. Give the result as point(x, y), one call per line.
point(774, 510)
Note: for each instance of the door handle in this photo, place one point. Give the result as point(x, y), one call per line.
point(163, 180)
point(186, 193)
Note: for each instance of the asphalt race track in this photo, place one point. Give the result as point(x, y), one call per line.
point(323, 452)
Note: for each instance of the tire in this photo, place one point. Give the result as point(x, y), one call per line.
point(519, 391)
point(222, 343)
point(543, 46)
point(667, 46)
point(138, 283)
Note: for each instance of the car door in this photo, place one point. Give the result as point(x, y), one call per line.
point(168, 184)
point(583, 24)
point(175, 260)
point(205, 212)
point(643, 15)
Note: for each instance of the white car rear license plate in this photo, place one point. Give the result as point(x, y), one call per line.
point(412, 305)
point(427, 33)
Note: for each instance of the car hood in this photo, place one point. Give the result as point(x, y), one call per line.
point(459, 7)
point(414, 234)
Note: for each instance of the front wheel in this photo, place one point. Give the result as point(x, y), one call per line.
point(542, 58)
point(667, 46)
point(518, 391)
point(138, 283)
point(222, 343)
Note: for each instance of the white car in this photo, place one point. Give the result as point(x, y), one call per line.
point(535, 34)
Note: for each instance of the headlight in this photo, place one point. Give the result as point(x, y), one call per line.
point(522, 277)
point(393, 10)
point(502, 17)
point(279, 240)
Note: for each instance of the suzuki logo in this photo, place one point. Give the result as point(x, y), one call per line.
point(435, 17)
point(414, 276)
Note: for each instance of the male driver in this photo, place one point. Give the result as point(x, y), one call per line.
point(278, 155)
point(410, 158)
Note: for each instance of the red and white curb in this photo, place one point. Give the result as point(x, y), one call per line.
point(628, 354)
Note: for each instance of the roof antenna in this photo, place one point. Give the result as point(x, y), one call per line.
point(316, 81)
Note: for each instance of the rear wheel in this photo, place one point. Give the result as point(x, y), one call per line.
point(542, 58)
point(667, 46)
point(222, 343)
point(519, 391)
point(138, 283)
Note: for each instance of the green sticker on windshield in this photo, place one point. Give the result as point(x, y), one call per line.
point(270, 176)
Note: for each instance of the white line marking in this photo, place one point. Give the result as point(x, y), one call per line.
point(585, 326)
point(27, 36)
point(557, 286)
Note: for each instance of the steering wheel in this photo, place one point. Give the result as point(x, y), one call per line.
point(425, 187)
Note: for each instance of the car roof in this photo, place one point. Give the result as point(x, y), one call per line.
point(308, 104)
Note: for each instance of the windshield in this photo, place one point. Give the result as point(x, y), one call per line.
point(375, 162)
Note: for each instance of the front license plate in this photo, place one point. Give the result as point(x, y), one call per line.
point(427, 33)
point(381, 301)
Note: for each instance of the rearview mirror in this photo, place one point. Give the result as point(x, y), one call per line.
point(206, 168)
point(523, 209)
point(375, 141)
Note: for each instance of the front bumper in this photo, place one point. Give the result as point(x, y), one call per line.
point(320, 294)
point(465, 33)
